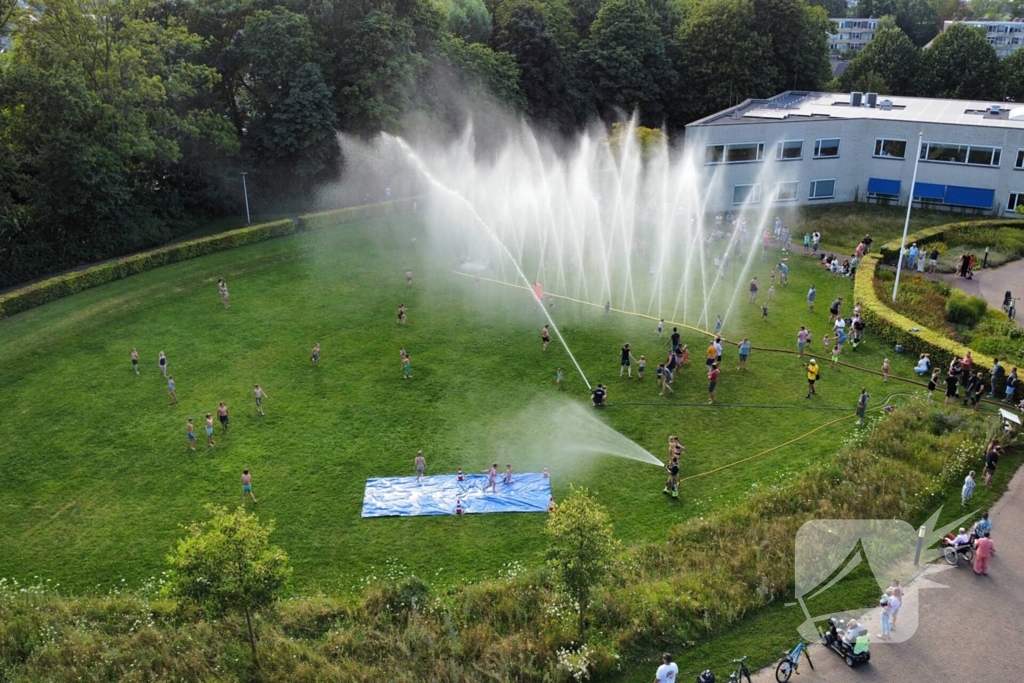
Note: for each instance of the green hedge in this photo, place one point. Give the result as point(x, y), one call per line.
point(894, 327)
point(60, 286)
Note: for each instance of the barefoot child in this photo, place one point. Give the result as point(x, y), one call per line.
point(744, 353)
point(640, 365)
point(171, 392)
point(492, 478)
point(560, 379)
point(545, 337)
point(314, 356)
point(222, 287)
point(163, 364)
point(825, 343)
point(259, 395)
point(222, 415)
point(507, 479)
point(718, 325)
point(771, 293)
point(836, 351)
point(407, 367)
point(764, 311)
point(135, 360)
point(247, 486)
point(209, 430)
point(421, 464)
point(661, 327)
point(932, 383)
point(191, 435)
point(885, 370)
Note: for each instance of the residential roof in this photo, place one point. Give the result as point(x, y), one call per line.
point(822, 106)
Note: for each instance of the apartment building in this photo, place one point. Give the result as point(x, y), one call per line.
point(852, 35)
point(1005, 36)
point(815, 147)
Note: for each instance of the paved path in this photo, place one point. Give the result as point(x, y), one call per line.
point(969, 632)
point(992, 284)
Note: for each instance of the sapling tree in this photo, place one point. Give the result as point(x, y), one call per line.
point(226, 564)
point(581, 546)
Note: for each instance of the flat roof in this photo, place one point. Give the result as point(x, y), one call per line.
point(796, 105)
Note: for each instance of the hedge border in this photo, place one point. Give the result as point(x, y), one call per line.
point(895, 327)
point(60, 286)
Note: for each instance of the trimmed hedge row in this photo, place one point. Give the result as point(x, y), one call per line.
point(893, 326)
point(64, 285)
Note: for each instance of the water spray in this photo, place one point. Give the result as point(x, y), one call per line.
point(425, 172)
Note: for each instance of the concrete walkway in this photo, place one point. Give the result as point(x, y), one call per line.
point(971, 631)
point(992, 284)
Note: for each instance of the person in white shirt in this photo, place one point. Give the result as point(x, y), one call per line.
point(668, 670)
point(894, 608)
point(962, 538)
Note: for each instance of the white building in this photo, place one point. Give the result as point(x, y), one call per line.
point(1005, 36)
point(812, 147)
point(852, 35)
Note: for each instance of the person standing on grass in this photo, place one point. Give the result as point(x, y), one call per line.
point(833, 310)
point(826, 344)
point(162, 361)
point(247, 486)
point(259, 395)
point(979, 391)
point(421, 464)
point(862, 405)
point(191, 431)
point(625, 358)
point(171, 390)
point(209, 430)
point(802, 337)
point(665, 377)
point(811, 294)
point(135, 360)
point(971, 388)
point(661, 327)
point(718, 324)
point(886, 369)
point(771, 293)
point(968, 490)
point(933, 381)
point(222, 287)
point(1011, 385)
point(407, 367)
point(933, 259)
point(998, 372)
point(314, 356)
point(545, 338)
point(711, 355)
point(492, 478)
point(718, 350)
point(560, 379)
point(984, 548)
point(764, 306)
point(641, 365)
point(836, 351)
point(401, 314)
point(992, 454)
point(744, 353)
point(753, 290)
point(967, 363)
point(672, 485)
point(222, 415)
point(807, 243)
point(408, 278)
point(668, 672)
point(783, 273)
point(951, 384)
point(713, 382)
point(815, 241)
point(675, 338)
point(812, 376)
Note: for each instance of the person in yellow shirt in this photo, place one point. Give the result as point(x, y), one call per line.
point(812, 375)
point(711, 356)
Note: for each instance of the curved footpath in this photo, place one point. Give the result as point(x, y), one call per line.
point(970, 631)
point(991, 284)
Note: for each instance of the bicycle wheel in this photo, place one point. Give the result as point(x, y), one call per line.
point(784, 671)
point(950, 554)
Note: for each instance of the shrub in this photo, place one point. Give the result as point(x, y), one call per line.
point(962, 309)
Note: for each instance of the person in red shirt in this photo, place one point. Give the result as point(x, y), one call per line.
point(713, 374)
point(983, 549)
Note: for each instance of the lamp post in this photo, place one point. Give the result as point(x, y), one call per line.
point(920, 544)
point(906, 223)
point(245, 190)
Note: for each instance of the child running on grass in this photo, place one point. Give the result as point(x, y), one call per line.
point(171, 390)
point(560, 379)
point(640, 366)
point(661, 327)
point(135, 360)
point(209, 430)
point(191, 435)
point(825, 343)
point(259, 395)
point(886, 369)
point(222, 415)
point(771, 293)
point(247, 486)
point(764, 311)
point(407, 367)
point(836, 351)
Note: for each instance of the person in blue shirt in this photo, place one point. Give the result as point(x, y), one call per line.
point(744, 353)
point(783, 273)
point(912, 256)
point(811, 293)
point(982, 526)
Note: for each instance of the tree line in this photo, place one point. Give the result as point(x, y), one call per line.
point(123, 123)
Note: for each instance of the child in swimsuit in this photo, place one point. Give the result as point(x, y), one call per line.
point(135, 361)
point(507, 479)
point(315, 356)
point(492, 478)
point(640, 365)
point(191, 435)
point(209, 430)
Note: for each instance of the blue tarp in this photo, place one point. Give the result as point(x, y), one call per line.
point(883, 186)
point(437, 495)
point(929, 191)
point(975, 197)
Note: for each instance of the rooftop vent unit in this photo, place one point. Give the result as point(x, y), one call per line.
point(855, 99)
point(995, 109)
point(885, 105)
point(872, 99)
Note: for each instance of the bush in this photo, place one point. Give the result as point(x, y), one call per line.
point(965, 310)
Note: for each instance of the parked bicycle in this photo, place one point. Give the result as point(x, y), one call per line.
point(790, 664)
point(1010, 306)
point(737, 676)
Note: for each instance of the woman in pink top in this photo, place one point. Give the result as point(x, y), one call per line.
point(983, 549)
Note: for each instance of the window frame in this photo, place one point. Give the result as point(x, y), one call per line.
point(1018, 163)
point(759, 153)
point(796, 191)
point(813, 184)
point(997, 154)
point(879, 147)
point(756, 192)
point(1019, 202)
point(817, 148)
point(779, 148)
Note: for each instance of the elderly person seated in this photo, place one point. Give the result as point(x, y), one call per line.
point(924, 365)
point(962, 538)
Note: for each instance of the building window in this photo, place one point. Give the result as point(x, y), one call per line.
point(734, 153)
point(890, 149)
point(1016, 199)
point(974, 155)
point(1019, 164)
point(746, 194)
point(822, 189)
point(786, 191)
point(789, 149)
point(826, 148)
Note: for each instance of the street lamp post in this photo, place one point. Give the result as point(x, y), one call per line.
point(906, 223)
point(245, 190)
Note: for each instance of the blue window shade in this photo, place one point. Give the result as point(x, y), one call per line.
point(884, 186)
point(929, 191)
point(974, 197)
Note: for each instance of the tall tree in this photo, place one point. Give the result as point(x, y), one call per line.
point(227, 564)
point(580, 547)
point(545, 76)
point(834, 8)
point(892, 57)
point(799, 42)
point(625, 64)
point(1013, 76)
point(919, 20)
point(719, 73)
point(960, 64)
point(469, 20)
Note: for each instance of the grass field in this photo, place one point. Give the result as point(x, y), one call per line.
point(97, 478)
